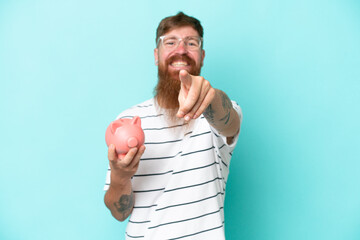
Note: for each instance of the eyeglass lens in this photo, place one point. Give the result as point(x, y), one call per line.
point(191, 43)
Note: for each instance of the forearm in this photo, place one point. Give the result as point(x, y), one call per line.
point(119, 199)
point(222, 116)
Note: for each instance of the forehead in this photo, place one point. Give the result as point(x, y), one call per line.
point(181, 32)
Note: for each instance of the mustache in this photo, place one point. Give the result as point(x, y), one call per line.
point(180, 57)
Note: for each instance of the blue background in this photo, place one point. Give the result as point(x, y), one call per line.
point(67, 68)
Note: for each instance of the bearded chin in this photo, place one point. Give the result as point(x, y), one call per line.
point(168, 87)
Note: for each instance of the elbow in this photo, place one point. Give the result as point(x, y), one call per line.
point(119, 217)
point(233, 127)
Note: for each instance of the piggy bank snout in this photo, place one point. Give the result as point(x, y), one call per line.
point(132, 142)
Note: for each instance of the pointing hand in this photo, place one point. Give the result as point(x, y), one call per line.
point(195, 95)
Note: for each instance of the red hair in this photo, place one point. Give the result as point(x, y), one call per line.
point(178, 20)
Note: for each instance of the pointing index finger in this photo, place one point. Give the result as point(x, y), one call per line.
point(185, 78)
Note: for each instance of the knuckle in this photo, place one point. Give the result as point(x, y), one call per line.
point(193, 97)
point(207, 84)
point(111, 157)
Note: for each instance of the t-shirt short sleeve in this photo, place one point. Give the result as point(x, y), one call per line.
point(224, 150)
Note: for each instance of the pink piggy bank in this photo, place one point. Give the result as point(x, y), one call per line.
point(125, 134)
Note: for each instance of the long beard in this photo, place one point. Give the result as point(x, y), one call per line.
point(168, 87)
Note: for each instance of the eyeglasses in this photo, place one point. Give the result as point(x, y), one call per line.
point(172, 42)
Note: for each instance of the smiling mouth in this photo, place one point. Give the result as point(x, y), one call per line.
point(179, 64)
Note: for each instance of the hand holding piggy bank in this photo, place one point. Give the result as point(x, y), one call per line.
point(125, 134)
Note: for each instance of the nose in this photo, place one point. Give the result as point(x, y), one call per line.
point(181, 48)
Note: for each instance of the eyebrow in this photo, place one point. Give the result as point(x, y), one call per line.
point(172, 36)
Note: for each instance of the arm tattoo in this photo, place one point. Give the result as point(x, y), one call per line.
point(125, 204)
point(226, 118)
point(227, 105)
point(209, 114)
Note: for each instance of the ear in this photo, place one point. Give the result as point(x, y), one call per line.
point(156, 56)
point(136, 121)
point(202, 57)
point(115, 125)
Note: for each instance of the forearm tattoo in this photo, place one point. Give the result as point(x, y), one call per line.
point(125, 204)
point(209, 114)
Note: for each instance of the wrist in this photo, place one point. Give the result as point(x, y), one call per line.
point(118, 181)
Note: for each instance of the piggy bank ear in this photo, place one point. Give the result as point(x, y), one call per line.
point(115, 125)
point(136, 121)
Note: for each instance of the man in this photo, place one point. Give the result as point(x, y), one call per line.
point(175, 188)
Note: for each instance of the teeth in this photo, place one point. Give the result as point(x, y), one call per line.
point(179, 64)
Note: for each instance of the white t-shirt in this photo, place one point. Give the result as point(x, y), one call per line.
point(179, 187)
